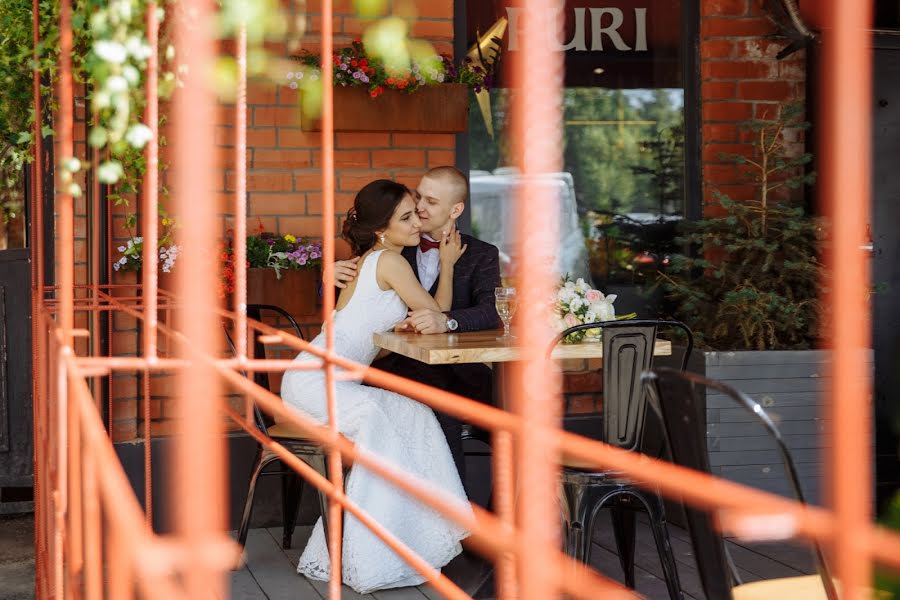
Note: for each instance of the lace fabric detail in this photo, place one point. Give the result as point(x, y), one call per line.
point(396, 429)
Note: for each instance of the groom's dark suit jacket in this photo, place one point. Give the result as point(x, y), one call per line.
point(476, 274)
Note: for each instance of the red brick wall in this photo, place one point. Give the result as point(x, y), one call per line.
point(284, 179)
point(740, 80)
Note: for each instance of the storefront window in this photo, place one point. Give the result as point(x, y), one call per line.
point(623, 183)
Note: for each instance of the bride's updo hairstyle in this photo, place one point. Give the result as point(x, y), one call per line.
point(372, 210)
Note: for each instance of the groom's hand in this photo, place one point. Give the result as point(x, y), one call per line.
point(345, 271)
point(425, 320)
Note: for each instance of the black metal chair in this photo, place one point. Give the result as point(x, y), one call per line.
point(679, 400)
point(627, 351)
point(286, 435)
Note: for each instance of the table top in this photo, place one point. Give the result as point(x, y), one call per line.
point(482, 347)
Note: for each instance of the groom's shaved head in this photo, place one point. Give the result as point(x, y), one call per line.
point(453, 181)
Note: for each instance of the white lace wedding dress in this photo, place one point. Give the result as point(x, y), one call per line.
point(394, 427)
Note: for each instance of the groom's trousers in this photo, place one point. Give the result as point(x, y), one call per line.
point(469, 380)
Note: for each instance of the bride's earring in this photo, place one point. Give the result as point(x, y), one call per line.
point(381, 238)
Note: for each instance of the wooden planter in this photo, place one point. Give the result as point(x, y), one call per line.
point(296, 292)
point(440, 108)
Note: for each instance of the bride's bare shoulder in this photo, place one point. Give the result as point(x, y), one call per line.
point(391, 265)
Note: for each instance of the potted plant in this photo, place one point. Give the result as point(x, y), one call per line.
point(750, 293)
point(131, 253)
point(283, 270)
point(431, 95)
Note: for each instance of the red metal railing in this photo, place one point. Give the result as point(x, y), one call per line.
point(93, 539)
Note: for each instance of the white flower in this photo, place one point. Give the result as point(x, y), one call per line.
point(299, 74)
point(73, 165)
point(293, 85)
point(606, 312)
point(136, 48)
point(101, 100)
point(110, 172)
point(121, 248)
point(590, 316)
point(580, 286)
point(138, 135)
point(570, 285)
point(576, 304)
point(131, 74)
point(111, 52)
point(123, 260)
point(116, 84)
point(290, 75)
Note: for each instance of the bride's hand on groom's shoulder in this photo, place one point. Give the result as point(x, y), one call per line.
point(451, 246)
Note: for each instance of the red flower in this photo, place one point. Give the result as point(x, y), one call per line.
point(354, 63)
point(364, 63)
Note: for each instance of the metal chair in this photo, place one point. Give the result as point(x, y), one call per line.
point(679, 400)
point(286, 435)
point(627, 352)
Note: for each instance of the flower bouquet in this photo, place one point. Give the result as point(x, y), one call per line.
point(577, 303)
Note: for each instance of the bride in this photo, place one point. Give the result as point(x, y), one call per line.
point(404, 432)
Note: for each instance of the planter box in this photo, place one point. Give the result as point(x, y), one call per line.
point(442, 108)
point(790, 386)
point(296, 292)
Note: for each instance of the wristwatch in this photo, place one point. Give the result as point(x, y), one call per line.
point(452, 324)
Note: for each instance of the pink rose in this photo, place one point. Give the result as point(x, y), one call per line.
point(571, 320)
point(593, 296)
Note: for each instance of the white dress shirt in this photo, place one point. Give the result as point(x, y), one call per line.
point(429, 264)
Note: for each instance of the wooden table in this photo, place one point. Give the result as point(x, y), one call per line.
point(482, 347)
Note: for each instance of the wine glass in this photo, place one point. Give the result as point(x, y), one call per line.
point(505, 302)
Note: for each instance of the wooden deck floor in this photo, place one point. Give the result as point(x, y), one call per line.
point(270, 572)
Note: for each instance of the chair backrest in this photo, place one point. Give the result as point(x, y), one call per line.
point(627, 352)
point(680, 401)
point(260, 378)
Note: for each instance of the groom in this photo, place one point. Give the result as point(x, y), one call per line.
point(440, 200)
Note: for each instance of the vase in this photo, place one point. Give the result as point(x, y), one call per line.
point(297, 291)
point(439, 108)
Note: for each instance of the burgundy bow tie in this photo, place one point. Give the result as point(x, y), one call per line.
point(425, 244)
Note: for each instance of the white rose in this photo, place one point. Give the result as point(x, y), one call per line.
point(576, 304)
point(606, 312)
point(590, 317)
point(569, 285)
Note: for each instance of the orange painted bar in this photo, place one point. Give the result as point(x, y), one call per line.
point(198, 471)
point(537, 147)
point(335, 471)
point(845, 195)
point(150, 189)
point(240, 197)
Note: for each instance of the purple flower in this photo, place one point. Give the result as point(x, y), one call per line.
point(356, 75)
point(314, 255)
point(364, 79)
point(270, 242)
